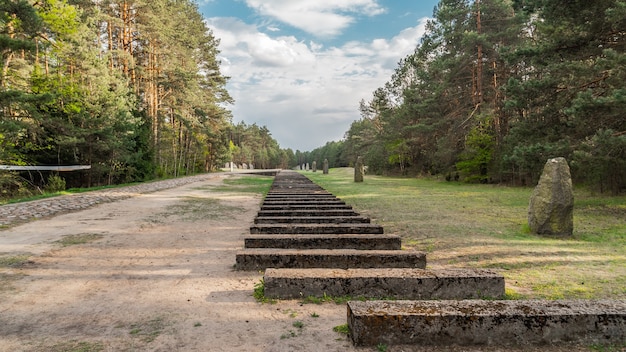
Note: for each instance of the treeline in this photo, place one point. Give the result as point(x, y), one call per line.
point(132, 88)
point(496, 87)
point(254, 145)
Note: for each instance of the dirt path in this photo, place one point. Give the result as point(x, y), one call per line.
point(155, 275)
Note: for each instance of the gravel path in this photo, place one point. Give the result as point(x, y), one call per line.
point(17, 213)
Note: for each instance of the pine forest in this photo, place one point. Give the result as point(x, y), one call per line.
point(497, 87)
point(133, 88)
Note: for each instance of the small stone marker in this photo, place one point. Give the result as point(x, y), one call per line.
point(551, 209)
point(359, 170)
point(325, 166)
point(314, 166)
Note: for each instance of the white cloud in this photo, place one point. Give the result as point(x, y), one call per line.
point(305, 93)
point(322, 18)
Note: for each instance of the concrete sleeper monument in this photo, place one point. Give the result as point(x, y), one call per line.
point(359, 170)
point(551, 206)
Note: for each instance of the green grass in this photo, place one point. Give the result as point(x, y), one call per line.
point(485, 226)
point(13, 261)
point(73, 240)
point(198, 208)
point(259, 293)
point(148, 331)
point(246, 183)
point(77, 346)
point(342, 329)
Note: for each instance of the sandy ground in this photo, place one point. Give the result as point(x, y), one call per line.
point(154, 279)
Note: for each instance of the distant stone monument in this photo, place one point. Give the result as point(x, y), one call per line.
point(325, 167)
point(551, 209)
point(307, 167)
point(359, 170)
point(314, 166)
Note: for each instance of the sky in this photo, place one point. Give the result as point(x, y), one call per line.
point(301, 67)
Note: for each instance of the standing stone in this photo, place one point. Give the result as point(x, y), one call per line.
point(314, 166)
point(551, 209)
point(325, 166)
point(359, 170)
point(307, 167)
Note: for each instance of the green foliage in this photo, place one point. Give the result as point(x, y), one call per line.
point(602, 159)
point(259, 293)
point(12, 186)
point(13, 261)
point(478, 153)
point(55, 183)
point(495, 88)
point(342, 329)
point(73, 240)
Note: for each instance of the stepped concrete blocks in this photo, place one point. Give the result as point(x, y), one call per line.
point(261, 259)
point(479, 322)
point(364, 242)
point(303, 213)
point(311, 220)
point(397, 283)
point(311, 229)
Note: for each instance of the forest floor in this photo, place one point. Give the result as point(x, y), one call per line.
point(155, 272)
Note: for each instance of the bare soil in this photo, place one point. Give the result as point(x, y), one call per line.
point(154, 272)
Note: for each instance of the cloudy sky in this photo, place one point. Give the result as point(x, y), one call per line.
point(301, 67)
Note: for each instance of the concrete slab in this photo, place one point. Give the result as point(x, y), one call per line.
point(479, 322)
point(397, 283)
point(260, 259)
point(304, 202)
point(350, 241)
point(307, 212)
point(305, 207)
point(316, 229)
point(311, 220)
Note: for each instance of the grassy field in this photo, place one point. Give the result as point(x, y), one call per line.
point(485, 226)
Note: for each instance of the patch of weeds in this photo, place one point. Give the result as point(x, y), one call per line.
point(608, 348)
point(336, 299)
point(197, 324)
point(73, 240)
point(246, 183)
point(14, 261)
point(342, 329)
point(291, 333)
point(198, 208)
point(381, 347)
point(259, 293)
point(288, 335)
point(148, 331)
point(77, 346)
point(510, 294)
point(550, 290)
point(315, 315)
point(292, 313)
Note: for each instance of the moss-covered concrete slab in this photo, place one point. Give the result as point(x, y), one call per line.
point(349, 241)
point(261, 259)
point(397, 283)
point(480, 322)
